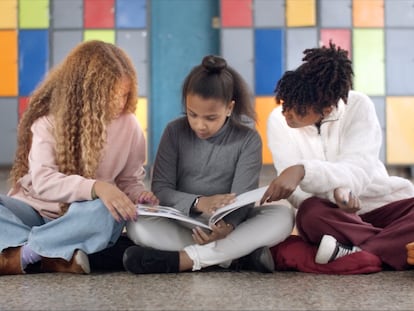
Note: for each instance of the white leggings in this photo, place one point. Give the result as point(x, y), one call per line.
point(266, 225)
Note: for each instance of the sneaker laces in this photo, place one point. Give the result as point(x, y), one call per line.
point(343, 250)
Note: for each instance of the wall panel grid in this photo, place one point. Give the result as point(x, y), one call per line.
point(376, 33)
point(260, 38)
point(35, 35)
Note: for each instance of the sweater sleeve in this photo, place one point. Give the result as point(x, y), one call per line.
point(247, 174)
point(284, 152)
point(47, 182)
point(131, 179)
point(358, 149)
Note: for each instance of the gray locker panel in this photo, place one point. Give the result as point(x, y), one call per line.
point(135, 44)
point(63, 42)
point(400, 61)
point(237, 48)
point(269, 13)
point(8, 129)
point(399, 13)
point(379, 103)
point(382, 154)
point(67, 14)
point(336, 13)
point(298, 40)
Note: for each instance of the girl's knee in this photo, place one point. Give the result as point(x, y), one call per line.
point(310, 212)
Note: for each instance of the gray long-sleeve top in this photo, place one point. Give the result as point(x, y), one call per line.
point(187, 166)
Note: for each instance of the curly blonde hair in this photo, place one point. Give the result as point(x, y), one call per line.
point(80, 95)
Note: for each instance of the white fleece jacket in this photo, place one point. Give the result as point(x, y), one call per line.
point(344, 154)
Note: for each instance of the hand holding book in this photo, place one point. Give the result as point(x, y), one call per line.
point(209, 205)
point(169, 212)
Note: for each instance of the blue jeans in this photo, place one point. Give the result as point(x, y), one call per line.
point(87, 226)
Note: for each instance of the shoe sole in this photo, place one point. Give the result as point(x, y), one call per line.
point(266, 259)
point(325, 250)
point(82, 260)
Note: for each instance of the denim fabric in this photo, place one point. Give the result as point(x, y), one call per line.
point(87, 226)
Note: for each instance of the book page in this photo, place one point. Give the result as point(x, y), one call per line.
point(170, 212)
point(241, 200)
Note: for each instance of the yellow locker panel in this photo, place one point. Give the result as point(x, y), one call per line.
point(8, 14)
point(142, 115)
point(369, 61)
point(264, 106)
point(104, 35)
point(300, 13)
point(368, 13)
point(8, 63)
point(400, 130)
point(34, 14)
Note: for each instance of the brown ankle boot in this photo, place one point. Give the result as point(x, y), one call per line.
point(10, 261)
point(78, 264)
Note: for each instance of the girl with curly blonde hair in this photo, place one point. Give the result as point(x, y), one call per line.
point(78, 171)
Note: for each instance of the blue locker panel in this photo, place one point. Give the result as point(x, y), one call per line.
point(135, 44)
point(131, 14)
point(400, 62)
point(67, 13)
point(63, 42)
point(298, 40)
point(175, 49)
point(33, 59)
point(269, 13)
point(379, 102)
point(269, 58)
point(237, 48)
point(335, 13)
point(8, 129)
point(399, 13)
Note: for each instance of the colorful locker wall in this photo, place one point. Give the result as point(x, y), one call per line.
point(260, 38)
point(37, 34)
point(267, 37)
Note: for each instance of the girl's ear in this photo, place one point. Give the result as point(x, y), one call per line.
point(230, 108)
point(327, 110)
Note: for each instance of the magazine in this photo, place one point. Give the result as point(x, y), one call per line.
point(169, 212)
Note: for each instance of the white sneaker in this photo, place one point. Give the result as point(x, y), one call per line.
point(330, 249)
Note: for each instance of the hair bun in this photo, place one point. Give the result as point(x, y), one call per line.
point(214, 64)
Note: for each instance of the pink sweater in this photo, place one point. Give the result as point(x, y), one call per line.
point(121, 164)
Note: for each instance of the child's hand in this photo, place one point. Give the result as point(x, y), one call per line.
point(117, 202)
point(346, 200)
point(208, 205)
point(148, 197)
point(410, 253)
point(220, 231)
point(284, 185)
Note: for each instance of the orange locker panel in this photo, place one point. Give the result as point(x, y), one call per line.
point(368, 13)
point(300, 13)
point(400, 130)
point(8, 14)
point(264, 106)
point(8, 63)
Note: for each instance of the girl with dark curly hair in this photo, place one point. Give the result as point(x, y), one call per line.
point(325, 139)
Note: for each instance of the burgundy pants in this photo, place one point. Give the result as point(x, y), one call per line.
point(384, 231)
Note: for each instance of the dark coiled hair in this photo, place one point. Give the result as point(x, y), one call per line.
point(213, 78)
point(324, 78)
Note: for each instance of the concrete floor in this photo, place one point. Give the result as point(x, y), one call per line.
point(213, 290)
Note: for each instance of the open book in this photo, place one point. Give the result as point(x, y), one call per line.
point(169, 212)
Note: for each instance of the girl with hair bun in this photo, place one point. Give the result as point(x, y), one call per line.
point(204, 160)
